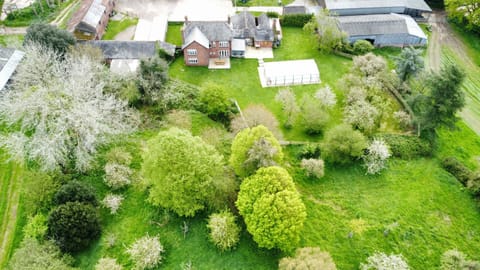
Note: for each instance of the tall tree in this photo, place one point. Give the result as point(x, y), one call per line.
point(61, 111)
point(409, 63)
point(50, 37)
point(328, 34)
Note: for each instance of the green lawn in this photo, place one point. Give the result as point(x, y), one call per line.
point(29, 15)
point(253, 3)
point(11, 40)
point(174, 35)
point(116, 27)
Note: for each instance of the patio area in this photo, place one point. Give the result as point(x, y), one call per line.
point(258, 53)
point(219, 63)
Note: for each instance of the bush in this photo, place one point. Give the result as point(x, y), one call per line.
point(108, 264)
point(36, 227)
point(407, 147)
point(152, 78)
point(313, 116)
point(362, 115)
point(178, 95)
point(75, 191)
point(342, 144)
point(326, 96)
point(310, 150)
point(381, 261)
point(313, 167)
point(117, 176)
point(272, 208)
point(474, 185)
point(32, 255)
point(224, 232)
point(74, 226)
point(295, 20)
point(308, 258)
point(181, 170)
point(256, 115)
point(362, 46)
point(376, 156)
point(38, 192)
point(243, 143)
point(112, 202)
point(272, 14)
point(404, 119)
point(456, 260)
point(215, 104)
point(119, 155)
point(146, 252)
point(457, 169)
point(50, 36)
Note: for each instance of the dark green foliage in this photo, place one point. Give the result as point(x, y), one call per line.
point(457, 169)
point(38, 192)
point(273, 14)
point(50, 36)
point(152, 77)
point(343, 145)
point(74, 226)
point(464, 13)
point(362, 46)
point(407, 147)
point(75, 191)
point(178, 95)
point(310, 150)
point(446, 98)
point(215, 104)
point(296, 20)
point(474, 184)
point(409, 63)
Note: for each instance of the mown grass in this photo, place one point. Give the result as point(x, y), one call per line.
point(253, 3)
point(471, 42)
point(174, 35)
point(116, 27)
point(11, 40)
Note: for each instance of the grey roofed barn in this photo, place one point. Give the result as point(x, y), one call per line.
point(131, 49)
point(364, 7)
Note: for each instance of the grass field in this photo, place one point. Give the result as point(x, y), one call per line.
point(116, 27)
point(253, 3)
point(11, 40)
point(174, 35)
point(31, 14)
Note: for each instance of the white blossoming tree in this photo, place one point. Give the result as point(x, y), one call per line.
point(376, 157)
point(382, 261)
point(112, 202)
point(59, 111)
point(326, 96)
point(146, 252)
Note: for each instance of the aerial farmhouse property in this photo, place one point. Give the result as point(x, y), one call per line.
point(91, 19)
point(383, 29)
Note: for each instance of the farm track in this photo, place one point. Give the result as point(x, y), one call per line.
point(446, 47)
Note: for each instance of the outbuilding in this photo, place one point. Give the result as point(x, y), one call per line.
point(383, 29)
point(414, 8)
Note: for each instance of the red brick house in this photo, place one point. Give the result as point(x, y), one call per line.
point(91, 19)
point(207, 44)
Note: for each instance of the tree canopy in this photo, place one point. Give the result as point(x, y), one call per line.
point(272, 208)
point(49, 36)
point(181, 170)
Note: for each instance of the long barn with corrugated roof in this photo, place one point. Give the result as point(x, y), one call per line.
point(91, 19)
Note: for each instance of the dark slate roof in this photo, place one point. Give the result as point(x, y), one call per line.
point(380, 24)
point(264, 30)
point(243, 25)
point(214, 31)
point(294, 10)
point(113, 49)
point(9, 60)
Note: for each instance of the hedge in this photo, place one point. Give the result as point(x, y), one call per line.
point(407, 147)
point(296, 20)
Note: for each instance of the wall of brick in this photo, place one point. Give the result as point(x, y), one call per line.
point(202, 54)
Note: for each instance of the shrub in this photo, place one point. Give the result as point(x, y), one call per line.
point(289, 105)
point(310, 150)
point(381, 261)
point(117, 176)
point(272, 14)
point(215, 104)
point(407, 147)
point(342, 144)
point(181, 170)
point(256, 115)
point(404, 119)
point(38, 192)
point(74, 226)
point(457, 169)
point(362, 46)
point(50, 36)
point(313, 117)
point(108, 264)
point(272, 209)
point(308, 258)
point(112, 202)
point(119, 155)
point(178, 95)
point(474, 185)
point(152, 78)
point(295, 20)
point(376, 156)
point(313, 167)
point(32, 255)
point(75, 191)
point(180, 119)
point(326, 96)
point(456, 260)
point(224, 232)
point(243, 143)
point(36, 227)
point(146, 252)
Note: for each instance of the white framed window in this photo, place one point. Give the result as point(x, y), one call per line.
point(223, 53)
point(193, 60)
point(192, 52)
point(223, 44)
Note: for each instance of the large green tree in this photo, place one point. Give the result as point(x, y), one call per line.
point(465, 12)
point(272, 208)
point(244, 146)
point(342, 144)
point(409, 63)
point(181, 170)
